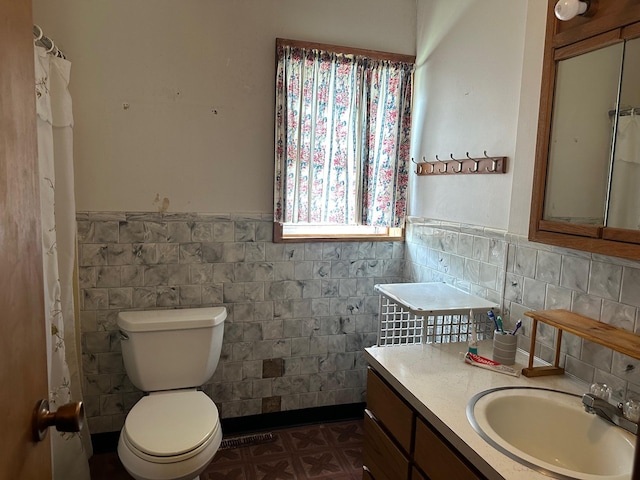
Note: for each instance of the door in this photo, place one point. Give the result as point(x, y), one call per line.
point(23, 358)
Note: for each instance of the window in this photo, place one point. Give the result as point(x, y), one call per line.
point(342, 132)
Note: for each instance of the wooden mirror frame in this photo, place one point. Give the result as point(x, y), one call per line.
point(606, 22)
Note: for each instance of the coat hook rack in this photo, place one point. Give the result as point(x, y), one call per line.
point(462, 166)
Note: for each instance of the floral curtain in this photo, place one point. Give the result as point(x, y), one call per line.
point(342, 138)
point(70, 451)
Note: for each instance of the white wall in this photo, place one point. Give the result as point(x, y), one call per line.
point(477, 88)
point(520, 204)
point(174, 63)
point(469, 92)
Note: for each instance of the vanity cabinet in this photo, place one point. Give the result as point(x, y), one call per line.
point(401, 445)
point(585, 185)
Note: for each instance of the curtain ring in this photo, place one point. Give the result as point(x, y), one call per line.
point(53, 46)
point(40, 33)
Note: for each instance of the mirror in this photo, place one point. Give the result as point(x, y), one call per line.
point(585, 193)
point(624, 203)
point(580, 146)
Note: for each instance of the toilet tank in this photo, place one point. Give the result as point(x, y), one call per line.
point(170, 349)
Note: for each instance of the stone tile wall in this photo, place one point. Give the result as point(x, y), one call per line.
point(299, 315)
point(532, 276)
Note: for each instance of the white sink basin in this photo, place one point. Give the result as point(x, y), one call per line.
point(549, 431)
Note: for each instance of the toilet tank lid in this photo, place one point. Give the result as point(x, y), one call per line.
point(176, 319)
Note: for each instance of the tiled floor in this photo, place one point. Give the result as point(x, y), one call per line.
point(319, 452)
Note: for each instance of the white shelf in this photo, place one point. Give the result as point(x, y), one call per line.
point(422, 298)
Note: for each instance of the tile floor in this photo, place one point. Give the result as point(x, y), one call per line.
point(319, 452)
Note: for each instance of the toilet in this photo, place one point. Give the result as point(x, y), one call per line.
point(174, 431)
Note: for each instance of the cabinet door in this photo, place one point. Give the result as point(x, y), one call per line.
point(416, 475)
point(383, 459)
point(366, 473)
point(437, 459)
point(390, 410)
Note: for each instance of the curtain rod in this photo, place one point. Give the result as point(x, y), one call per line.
point(44, 41)
point(625, 111)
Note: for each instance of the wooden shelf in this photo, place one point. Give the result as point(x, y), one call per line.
point(617, 339)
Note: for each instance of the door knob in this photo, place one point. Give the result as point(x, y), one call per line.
point(68, 418)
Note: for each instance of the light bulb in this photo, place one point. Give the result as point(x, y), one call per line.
point(567, 9)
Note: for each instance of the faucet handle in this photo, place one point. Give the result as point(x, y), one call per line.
point(631, 410)
point(601, 390)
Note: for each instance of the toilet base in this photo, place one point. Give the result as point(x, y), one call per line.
point(189, 469)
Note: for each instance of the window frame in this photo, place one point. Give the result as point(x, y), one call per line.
point(392, 234)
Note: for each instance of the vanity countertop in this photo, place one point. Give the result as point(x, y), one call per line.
point(434, 379)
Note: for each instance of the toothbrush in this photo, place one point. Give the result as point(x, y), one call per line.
point(518, 325)
point(492, 316)
point(500, 324)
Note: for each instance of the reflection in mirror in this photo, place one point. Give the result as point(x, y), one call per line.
point(581, 132)
point(624, 203)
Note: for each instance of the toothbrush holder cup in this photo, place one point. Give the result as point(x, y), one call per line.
point(504, 348)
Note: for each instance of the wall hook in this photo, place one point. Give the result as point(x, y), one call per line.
point(494, 163)
point(459, 166)
point(443, 162)
point(418, 166)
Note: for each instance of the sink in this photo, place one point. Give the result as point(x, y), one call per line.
point(549, 431)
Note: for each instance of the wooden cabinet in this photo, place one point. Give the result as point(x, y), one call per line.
point(578, 185)
point(382, 456)
point(401, 445)
point(396, 416)
point(436, 458)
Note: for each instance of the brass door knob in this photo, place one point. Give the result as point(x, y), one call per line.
point(68, 418)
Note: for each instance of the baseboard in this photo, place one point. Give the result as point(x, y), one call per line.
point(292, 418)
point(108, 441)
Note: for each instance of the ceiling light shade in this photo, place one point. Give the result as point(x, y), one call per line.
point(567, 9)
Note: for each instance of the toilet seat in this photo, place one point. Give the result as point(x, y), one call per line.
point(172, 426)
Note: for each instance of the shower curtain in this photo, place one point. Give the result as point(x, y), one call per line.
point(624, 204)
point(70, 451)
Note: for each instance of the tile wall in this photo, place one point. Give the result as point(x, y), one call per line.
point(532, 276)
point(299, 314)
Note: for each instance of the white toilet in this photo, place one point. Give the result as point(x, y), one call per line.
point(173, 432)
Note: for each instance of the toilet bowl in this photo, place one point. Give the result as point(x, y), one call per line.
point(170, 436)
point(174, 431)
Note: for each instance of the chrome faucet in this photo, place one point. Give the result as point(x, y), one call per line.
point(608, 411)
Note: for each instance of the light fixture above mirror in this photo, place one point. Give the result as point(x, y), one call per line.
point(568, 9)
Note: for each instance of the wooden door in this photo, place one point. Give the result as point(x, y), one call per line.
point(23, 359)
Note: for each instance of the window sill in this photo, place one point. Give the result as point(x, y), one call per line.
point(392, 235)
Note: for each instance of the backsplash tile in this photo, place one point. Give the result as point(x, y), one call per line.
point(532, 276)
point(299, 315)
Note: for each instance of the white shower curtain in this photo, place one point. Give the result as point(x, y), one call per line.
point(70, 451)
point(624, 204)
